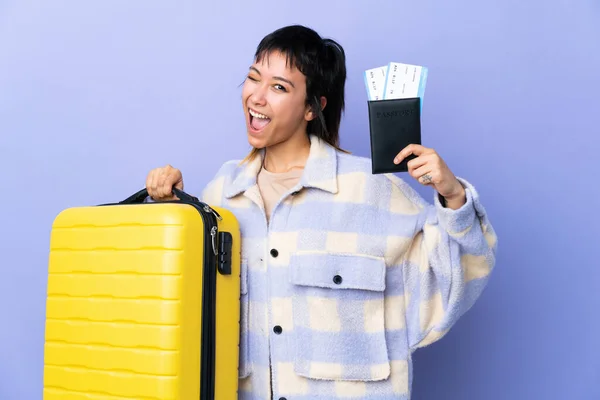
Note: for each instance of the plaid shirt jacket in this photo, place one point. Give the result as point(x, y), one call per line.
point(354, 272)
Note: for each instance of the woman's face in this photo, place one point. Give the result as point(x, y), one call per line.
point(274, 101)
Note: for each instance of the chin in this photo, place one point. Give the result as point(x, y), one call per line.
point(256, 142)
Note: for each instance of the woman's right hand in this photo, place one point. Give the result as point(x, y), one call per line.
point(160, 183)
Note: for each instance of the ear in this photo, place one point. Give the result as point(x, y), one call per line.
point(311, 114)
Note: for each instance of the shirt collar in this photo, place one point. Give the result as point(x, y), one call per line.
point(320, 171)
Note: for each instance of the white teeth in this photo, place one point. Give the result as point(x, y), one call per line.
point(257, 115)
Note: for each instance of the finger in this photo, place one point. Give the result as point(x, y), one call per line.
point(158, 182)
point(419, 172)
point(178, 185)
point(169, 184)
point(178, 179)
point(149, 183)
point(164, 185)
point(153, 184)
point(418, 162)
point(173, 179)
point(415, 149)
point(425, 175)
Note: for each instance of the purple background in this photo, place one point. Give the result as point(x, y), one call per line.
point(93, 94)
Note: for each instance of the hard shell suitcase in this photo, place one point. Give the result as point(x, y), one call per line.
point(143, 302)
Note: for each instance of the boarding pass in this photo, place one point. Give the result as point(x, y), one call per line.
point(396, 81)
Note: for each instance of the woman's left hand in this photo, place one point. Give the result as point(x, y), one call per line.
point(429, 169)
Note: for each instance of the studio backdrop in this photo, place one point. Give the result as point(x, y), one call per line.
point(94, 94)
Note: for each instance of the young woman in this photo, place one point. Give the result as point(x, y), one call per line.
point(344, 273)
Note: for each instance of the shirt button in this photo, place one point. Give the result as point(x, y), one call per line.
point(274, 252)
point(337, 279)
point(277, 329)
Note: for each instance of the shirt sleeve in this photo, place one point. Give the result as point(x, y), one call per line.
point(447, 266)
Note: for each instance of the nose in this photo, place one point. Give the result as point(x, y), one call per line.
point(258, 96)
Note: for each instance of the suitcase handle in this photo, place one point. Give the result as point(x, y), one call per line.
point(140, 196)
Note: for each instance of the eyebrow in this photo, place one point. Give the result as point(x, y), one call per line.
point(279, 78)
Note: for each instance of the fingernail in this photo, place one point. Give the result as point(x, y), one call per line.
point(396, 160)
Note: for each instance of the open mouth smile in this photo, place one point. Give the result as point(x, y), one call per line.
point(258, 121)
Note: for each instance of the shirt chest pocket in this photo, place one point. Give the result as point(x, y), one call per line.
point(338, 313)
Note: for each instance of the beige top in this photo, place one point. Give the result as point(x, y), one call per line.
point(273, 186)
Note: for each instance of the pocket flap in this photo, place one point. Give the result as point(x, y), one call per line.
point(338, 271)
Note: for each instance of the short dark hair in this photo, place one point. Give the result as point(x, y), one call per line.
point(323, 62)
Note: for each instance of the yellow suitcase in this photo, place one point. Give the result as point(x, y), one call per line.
point(143, 302)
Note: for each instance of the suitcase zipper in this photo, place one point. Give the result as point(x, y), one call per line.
point(207, 362)
point(210, 210)
point(208, 323)
point(213, 234)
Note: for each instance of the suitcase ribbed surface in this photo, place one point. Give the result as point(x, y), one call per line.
point(124, 303)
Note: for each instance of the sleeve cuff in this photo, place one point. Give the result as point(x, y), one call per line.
point(456, 221)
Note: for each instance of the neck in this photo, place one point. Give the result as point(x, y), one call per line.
point(287, 155)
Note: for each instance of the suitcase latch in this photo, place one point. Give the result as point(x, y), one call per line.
point(224, 253)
